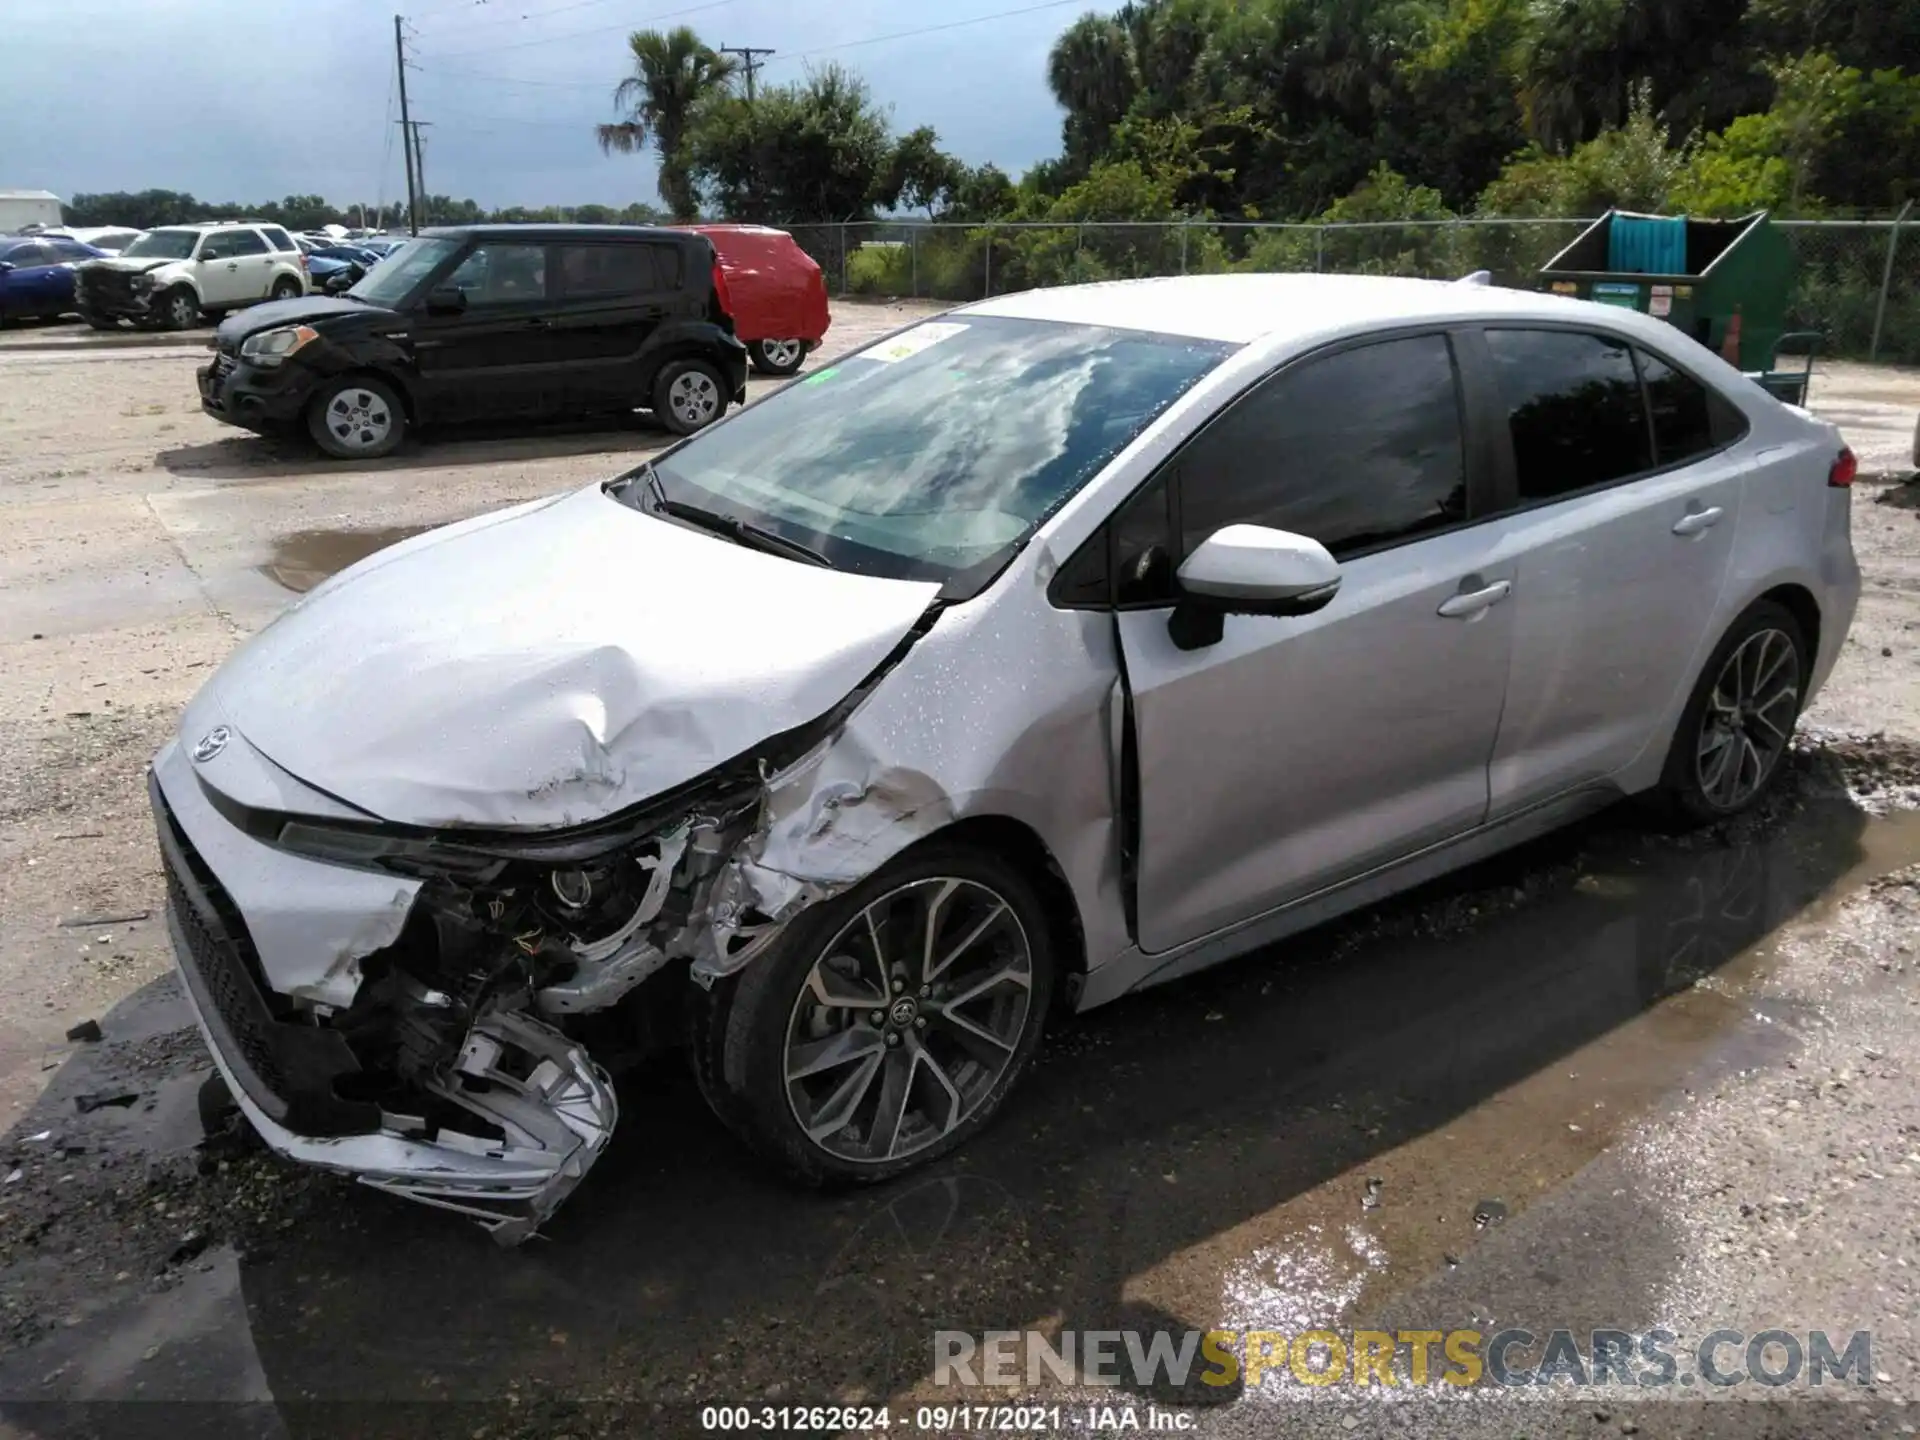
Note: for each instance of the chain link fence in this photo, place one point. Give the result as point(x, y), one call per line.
point(1857, 282)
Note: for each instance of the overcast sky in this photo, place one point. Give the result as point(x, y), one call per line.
point(255, 99)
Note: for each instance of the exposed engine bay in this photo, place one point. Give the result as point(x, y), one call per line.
point(457, 1071)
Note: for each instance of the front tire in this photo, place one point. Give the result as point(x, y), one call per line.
point(885, 1027)
point(777, 357)
point(178, 309)
point(689, 395)
point(357, 418)
point(1735, 728)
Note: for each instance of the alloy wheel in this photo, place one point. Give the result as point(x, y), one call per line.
point(359, 419)
point(1749, 717)
point(908, 1019)
point(182, 312)
point(694, 398)
point(780, 353)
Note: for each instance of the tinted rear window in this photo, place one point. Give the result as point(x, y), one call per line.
point(607, 269)
point(1574, 409)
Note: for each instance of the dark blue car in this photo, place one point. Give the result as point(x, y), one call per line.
point(36, 275)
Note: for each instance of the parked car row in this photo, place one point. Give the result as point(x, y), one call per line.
point(517, 322)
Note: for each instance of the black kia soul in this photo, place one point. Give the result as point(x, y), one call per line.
point(489, 322)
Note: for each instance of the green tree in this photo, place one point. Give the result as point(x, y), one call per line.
point(1634, 166)
point(673, 74)
point(815, 150)
point(1090, 70)
point(920, 175)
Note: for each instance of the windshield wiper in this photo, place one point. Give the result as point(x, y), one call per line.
point(741, 532)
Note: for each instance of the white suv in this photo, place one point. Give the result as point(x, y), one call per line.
point(169, 277)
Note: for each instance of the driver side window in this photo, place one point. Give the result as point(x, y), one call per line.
point(1360, 449)
point(495, 274)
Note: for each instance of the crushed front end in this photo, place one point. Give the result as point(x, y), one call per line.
point(405, 1005)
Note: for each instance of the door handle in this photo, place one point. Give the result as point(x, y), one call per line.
point(1696, 521)
point(536, 324)
point(1469, 603)
point(233, 264)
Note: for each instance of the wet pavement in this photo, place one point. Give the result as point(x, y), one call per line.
point(306, 557)
point(1310, 1134)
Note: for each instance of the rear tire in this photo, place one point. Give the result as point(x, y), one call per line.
point(689, 395)
point(285, 288)
point(777, 357)
point(356, 418)
point(811, 999)
point(1737, 724)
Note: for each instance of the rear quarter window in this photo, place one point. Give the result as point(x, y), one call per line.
point(278, 238)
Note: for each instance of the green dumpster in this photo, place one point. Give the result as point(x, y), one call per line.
point(1696, 274)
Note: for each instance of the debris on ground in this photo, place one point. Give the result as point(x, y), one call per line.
point(88, 922)
point(87, 1030)
point(103, 1099)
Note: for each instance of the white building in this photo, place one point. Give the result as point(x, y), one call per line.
point(21, 208)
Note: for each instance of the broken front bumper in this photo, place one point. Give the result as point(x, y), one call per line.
point(542, 1110)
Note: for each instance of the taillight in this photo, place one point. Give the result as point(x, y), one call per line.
point(720, 288)
point(1844, 468)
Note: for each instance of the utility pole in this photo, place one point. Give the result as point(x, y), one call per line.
point(420, 168)
point(406, 126)
point(747, 61)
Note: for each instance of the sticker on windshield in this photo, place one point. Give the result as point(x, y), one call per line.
point(910, 343)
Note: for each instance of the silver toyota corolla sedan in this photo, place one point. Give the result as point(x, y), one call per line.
point(1052, 649)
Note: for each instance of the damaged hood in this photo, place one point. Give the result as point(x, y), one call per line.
point(550, 664)
point(125, 266)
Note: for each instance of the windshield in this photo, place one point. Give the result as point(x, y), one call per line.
point(162, 245)
point(934, 454)
point(395, 279)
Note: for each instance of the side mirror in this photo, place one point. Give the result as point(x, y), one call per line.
point(1250, 570)
point(446, 300)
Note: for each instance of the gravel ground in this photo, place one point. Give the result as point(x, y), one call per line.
point(1678, 1078)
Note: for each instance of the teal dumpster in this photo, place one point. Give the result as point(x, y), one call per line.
point(1695, 274)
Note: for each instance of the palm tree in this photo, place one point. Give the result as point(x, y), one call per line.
point(1092, 75)
point(672, 73)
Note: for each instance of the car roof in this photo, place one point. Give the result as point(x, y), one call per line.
point(1240, 309)
point(539, 234)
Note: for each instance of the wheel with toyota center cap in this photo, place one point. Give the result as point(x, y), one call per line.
point(356, 418)
point(1738, 721)
point(887, 1025)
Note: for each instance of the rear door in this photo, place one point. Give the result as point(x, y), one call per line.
point(1624, 501)
point(1292, 754)
point(609, 298)
point(495, 358)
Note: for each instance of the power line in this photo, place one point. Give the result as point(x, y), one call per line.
point(529, 15)
point(747, 62)
point(510, 80)
point(578, 34)
point(932, 29)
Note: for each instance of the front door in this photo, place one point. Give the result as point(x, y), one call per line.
point(496, 358)
point(1293, 754)
point(232, 267)
point(1627, 503)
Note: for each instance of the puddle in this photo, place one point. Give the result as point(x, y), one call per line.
point(306, 557)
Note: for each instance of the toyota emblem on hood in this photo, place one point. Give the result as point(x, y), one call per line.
point(212, 743)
